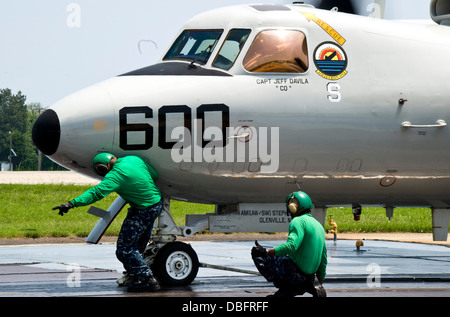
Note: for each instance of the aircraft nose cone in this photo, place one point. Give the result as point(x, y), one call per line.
point(47, 132)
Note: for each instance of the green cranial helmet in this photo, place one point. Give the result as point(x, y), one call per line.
point(101, 163)
point(298, 202)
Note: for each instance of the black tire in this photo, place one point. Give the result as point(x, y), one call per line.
point(176, 264)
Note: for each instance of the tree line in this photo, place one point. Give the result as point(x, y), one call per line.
point(16, 122)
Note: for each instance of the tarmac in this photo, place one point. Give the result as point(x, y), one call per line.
point(387, 266)
point(377, 269)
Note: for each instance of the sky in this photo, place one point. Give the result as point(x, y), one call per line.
point(52, 48)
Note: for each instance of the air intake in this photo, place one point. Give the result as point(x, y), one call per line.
point(46, 132)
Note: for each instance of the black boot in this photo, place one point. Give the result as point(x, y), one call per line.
point(316, 289)
point(150, 285)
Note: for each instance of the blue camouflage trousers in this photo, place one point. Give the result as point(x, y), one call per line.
point(133, 238)
point(283, 272)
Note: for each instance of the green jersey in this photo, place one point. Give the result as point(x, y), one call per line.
point(131, 178)
point(305, 245)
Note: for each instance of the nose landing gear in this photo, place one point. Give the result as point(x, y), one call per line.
point(175, 264)
point(172, 262)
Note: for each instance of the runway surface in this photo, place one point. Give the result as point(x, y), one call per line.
point(378, 269)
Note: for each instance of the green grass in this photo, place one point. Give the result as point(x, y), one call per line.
point(26, 211)
point(373, 219)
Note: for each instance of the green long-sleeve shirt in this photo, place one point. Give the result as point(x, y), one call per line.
point(131, 178)
point(305, 245)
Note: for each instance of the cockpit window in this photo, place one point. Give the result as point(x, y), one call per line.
point(194, 45)
point(277, 51)
point(231, 48)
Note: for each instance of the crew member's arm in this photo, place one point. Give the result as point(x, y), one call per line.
point(321, 272)
point(93, 194)
point(103, 189)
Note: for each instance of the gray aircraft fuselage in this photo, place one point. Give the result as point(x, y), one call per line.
point(363, 123)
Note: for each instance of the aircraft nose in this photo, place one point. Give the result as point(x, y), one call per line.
point(47, 132)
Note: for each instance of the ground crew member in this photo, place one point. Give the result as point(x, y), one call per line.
point(133, 179)
point(299, 265)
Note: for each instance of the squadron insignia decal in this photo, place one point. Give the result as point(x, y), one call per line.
point(330, 60)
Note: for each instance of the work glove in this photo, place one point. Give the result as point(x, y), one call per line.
point(63, 208)
point(258, 251)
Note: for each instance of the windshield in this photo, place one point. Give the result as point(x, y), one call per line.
point(194, 45)
point(231, 48)
point(277, 51)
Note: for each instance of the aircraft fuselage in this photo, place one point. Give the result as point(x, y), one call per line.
point(364, 123)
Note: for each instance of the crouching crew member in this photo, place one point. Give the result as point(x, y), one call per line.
point(299, 265)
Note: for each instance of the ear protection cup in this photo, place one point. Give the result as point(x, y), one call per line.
point(293, 208)
point(101, 169)
point(101, 164)
point(292, 205)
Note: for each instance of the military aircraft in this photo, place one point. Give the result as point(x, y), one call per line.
point(252, 102)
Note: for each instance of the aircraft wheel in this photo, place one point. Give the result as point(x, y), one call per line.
point(176, 264)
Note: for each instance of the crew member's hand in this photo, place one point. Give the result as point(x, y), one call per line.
point(63, 208)
point(258, 251)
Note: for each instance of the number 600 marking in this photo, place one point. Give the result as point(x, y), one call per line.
point(147, 129)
